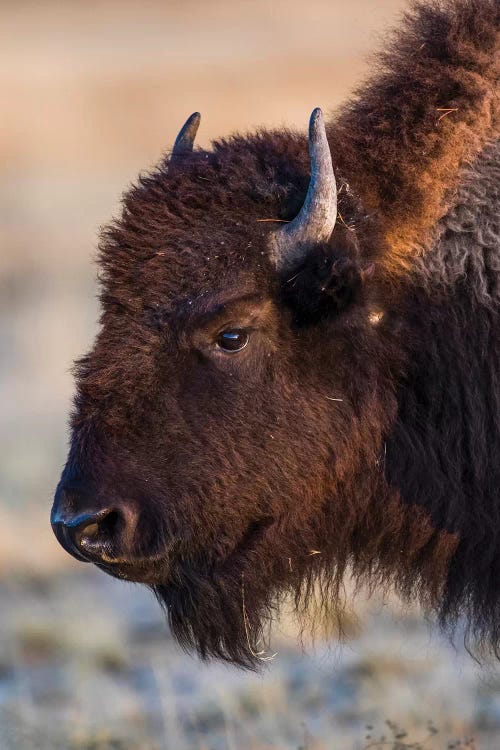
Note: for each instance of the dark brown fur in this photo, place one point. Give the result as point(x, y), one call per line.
point(334, 440)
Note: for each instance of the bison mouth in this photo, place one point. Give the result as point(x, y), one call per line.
point(149, 569)
point(161, 568)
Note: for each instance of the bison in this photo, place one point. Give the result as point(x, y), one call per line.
point(297, 373)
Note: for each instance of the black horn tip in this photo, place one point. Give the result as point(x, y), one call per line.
point(316, 122)
point(193, 121)
point(185, 140)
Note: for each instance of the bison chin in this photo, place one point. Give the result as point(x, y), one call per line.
point(223, 614)
point(224, 609)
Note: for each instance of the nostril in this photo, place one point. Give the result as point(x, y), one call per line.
point(99, 531)
point(111, 523)
point(92, 530)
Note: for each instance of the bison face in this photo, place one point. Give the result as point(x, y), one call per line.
point(230, 404)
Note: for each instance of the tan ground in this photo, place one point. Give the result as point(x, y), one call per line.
point(92, 92)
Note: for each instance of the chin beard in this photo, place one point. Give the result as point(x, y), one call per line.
point(224, 609)
point(220, 614)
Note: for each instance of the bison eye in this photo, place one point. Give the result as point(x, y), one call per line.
point(232, 340)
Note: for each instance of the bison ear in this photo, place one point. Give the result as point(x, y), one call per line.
point(326, 284)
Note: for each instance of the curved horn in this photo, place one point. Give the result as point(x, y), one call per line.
point(316, 219)
point(185, 140)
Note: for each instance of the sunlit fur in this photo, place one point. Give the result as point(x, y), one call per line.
point(360, 428)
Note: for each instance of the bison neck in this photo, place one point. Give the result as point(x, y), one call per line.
point(443, 456)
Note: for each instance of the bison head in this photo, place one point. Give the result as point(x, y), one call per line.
point(227, 436)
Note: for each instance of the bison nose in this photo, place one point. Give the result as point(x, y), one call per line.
point(103, 535)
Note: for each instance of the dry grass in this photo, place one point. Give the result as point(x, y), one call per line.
point(86, 661)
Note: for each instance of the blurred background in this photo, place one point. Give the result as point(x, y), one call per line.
point(91, 93)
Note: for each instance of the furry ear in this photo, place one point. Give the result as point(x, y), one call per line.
point(330, 280)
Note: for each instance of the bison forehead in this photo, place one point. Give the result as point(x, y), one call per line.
point(183, 274)
point(193, 224)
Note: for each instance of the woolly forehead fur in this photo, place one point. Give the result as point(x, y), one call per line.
point(202, 225)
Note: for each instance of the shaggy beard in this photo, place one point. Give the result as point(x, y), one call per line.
point(226, 612)
point(222, 615)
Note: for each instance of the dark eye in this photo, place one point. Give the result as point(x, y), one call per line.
point(233, 340)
